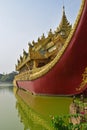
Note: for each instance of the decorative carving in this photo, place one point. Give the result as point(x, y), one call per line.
point(64, 26)
point(37, 72)
point(84, 80)
point(21, 58)
point(25, 54)
point(50, 34)
point(43, 37)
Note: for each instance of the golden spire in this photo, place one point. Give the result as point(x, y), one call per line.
point(63, 9)
point(64, 26)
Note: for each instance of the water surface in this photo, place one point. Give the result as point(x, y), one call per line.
point(8, 114)
point(20, 110)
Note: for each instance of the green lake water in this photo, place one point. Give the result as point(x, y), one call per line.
point(20, 110)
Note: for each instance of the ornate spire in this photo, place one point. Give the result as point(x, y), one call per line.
point(64, 26)
point(63, 9)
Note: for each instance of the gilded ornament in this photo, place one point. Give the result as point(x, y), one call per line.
point(84, 80)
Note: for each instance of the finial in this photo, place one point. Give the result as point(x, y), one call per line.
point(63, 8)
point(63, 5)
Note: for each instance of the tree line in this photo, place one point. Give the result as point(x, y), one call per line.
point(8, 77)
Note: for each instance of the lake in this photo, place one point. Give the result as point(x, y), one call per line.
point(20, 110)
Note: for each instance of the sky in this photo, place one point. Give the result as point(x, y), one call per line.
point(22, 21)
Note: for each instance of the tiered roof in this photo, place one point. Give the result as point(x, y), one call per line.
point(42, 43)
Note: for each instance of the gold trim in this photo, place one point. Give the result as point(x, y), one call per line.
point(38, 72)
point(84, 80)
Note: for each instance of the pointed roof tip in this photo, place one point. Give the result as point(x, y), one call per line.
point(63, 8)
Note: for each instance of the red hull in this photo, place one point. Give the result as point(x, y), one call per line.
point(65, 77)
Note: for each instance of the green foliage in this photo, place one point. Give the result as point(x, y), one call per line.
point(1, 76)
point(7, 77)
point(59, 123)
point(62, 123)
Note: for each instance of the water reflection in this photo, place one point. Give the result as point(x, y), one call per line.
point(4, 87)
point(35, 111)
point(8, 114)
